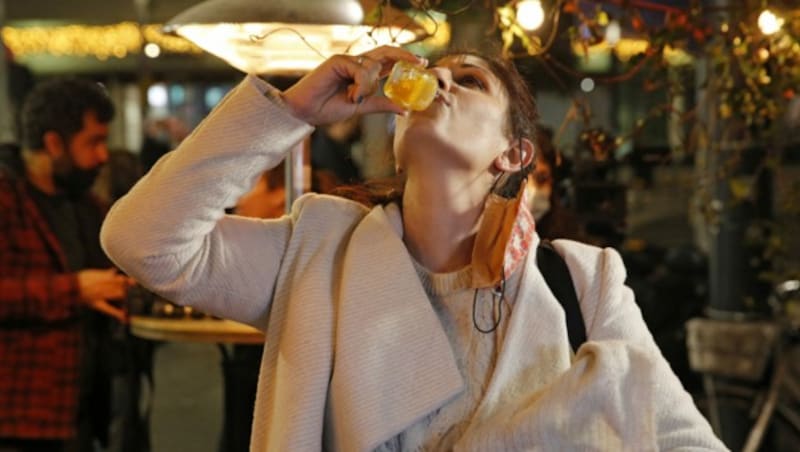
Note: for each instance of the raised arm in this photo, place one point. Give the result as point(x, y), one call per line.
point(170, 232)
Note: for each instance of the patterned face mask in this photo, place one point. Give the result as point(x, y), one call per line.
point(505, 235)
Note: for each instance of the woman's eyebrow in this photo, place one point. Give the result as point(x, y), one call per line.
point(485, 72)
point(475, 66)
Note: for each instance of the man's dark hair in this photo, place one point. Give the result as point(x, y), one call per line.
point(59, 105)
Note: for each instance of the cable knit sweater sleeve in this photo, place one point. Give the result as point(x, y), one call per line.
point(170, 232)
point(612, 316)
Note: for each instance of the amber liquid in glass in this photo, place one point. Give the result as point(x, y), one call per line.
point(410, 86)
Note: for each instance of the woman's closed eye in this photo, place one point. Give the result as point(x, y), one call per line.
point(471, 81)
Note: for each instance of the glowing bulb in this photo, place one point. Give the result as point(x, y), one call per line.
point(530, 14)
point(157, 96)
point(152, 50)
point(587, 85)
point(613, 33)
point(769, 23)
point(355, 11)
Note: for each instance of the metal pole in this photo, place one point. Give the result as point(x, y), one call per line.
point(731, 280)
point(294, 172)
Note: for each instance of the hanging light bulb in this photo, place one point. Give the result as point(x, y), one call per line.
point(613, 33)
point(530, 14)
point(287, 36)
point(152, 50)
point(769, 23)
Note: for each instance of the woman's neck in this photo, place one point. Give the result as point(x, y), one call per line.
point(440, 219)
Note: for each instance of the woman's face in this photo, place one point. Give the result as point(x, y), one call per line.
point(466, 124)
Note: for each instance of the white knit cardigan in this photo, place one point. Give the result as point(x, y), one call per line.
point(354, 352)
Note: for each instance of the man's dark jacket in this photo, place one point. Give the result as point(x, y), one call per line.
point(43, 325)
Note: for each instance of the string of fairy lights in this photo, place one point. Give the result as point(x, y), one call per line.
point(521, 17)
point(98, 41)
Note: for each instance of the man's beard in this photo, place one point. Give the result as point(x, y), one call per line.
point(74, 181)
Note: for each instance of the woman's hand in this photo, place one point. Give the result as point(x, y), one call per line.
point(344, 85)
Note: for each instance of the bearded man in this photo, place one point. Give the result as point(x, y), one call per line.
point(57, 288)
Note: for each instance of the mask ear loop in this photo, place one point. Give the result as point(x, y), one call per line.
point(498, 297)
point(499, 182)
point(499, 291)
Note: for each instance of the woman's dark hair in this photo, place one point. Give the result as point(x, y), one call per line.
point(521, 120)
point(59, 105)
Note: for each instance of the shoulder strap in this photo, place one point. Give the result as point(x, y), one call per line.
point(556, 274)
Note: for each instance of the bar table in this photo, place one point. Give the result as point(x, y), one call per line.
point(238, 392)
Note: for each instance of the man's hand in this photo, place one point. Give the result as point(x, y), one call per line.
point(98, 286)
point(104, 307)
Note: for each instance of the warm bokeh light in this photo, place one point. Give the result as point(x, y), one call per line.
point(436, 26)
point(676, 56)
point(530, 14)
point(769, 23)
point(587, 85)
point(152, 50)
point(98, 41)
point(625, 49)
point(613, 33)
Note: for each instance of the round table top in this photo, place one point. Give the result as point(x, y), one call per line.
point(194, 330)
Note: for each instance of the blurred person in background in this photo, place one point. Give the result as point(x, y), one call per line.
point(161, 135)
point(57, 288)
point(553, 219)
point(131, 362)
point(117, 176)
point(267, 198)
point(332, 148)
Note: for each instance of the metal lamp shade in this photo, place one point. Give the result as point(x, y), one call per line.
point(280, 36)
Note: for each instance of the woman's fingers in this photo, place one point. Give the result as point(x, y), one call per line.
point(343, 83)
point(388, 55)
point(373, 66)
point(366, 77)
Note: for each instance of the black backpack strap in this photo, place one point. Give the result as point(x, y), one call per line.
point(556, 274)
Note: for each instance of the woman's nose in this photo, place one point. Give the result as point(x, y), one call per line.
point(444, 77)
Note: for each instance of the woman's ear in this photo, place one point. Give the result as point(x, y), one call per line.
point(518, 156)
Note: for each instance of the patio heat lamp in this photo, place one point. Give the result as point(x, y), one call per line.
point(290, 37)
